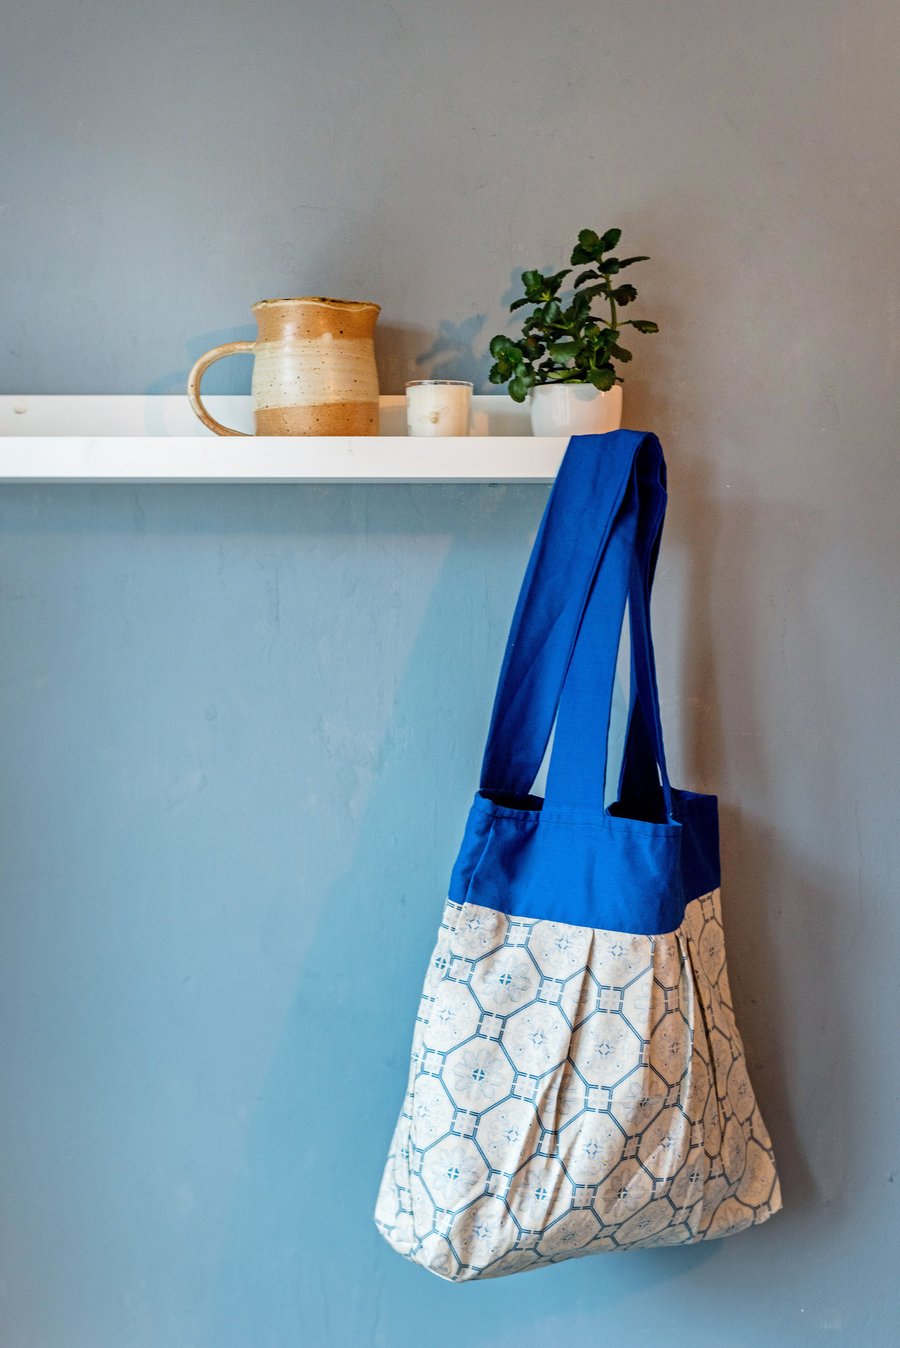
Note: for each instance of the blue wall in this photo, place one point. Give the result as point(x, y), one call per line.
point(239, 731)
point(239, 727)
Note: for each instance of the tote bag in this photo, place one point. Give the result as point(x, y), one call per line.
point(577, 1082)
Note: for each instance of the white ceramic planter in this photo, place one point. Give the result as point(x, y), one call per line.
point(575, 409)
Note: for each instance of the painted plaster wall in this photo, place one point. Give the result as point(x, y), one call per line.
point(239, 727)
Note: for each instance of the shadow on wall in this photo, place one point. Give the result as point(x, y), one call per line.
point(758, 872)
point(316, 1148)
point(405, 353)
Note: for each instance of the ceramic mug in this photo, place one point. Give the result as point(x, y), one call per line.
point(314, 369)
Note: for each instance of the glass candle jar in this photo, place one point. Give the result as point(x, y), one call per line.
point(438, 407)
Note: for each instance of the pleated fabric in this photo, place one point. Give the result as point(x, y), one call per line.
point(572, 1091)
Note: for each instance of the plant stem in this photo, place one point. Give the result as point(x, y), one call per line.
point(612, 312)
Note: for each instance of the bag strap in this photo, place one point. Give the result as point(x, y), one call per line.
point(644, 747)
point(578, 766)
point(638, 756)
point(607, 502)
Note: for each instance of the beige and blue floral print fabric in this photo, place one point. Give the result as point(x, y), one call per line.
point(573, 1091)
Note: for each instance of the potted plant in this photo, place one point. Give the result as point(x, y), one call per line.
point(563, 362)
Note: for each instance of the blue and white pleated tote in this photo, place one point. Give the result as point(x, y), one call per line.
point(578, 1083)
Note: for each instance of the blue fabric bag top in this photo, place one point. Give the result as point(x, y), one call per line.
point(577, 1081)
point(635, 865)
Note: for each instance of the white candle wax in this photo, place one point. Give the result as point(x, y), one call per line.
point(438, 407)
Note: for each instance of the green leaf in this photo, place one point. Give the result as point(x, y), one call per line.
point(533, 283)
point(624, 294)
point(534, 331)
point(517, 304)
point(553, 283)
point(496, 375)
point(501, 346)
point(518, 391)
point(603, 378)
point(563, 351)
point(620, 352)
point(590, 241)
point(552, 312)
point(644, 325)
point(609, 239)
point(587, 276)
point(593, 292)
point(627, 261)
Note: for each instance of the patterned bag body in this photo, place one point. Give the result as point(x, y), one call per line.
point(577, 1082)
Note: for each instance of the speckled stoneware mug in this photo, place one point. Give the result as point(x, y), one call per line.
point(314, 369)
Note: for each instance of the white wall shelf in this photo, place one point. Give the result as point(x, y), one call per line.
point(158, 439)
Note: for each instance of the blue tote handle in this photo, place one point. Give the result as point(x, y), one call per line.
point(639, 756)
point(644, 747)
point(595, 550)
point(577, 772)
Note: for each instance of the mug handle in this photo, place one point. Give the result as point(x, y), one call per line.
point(197, 373)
